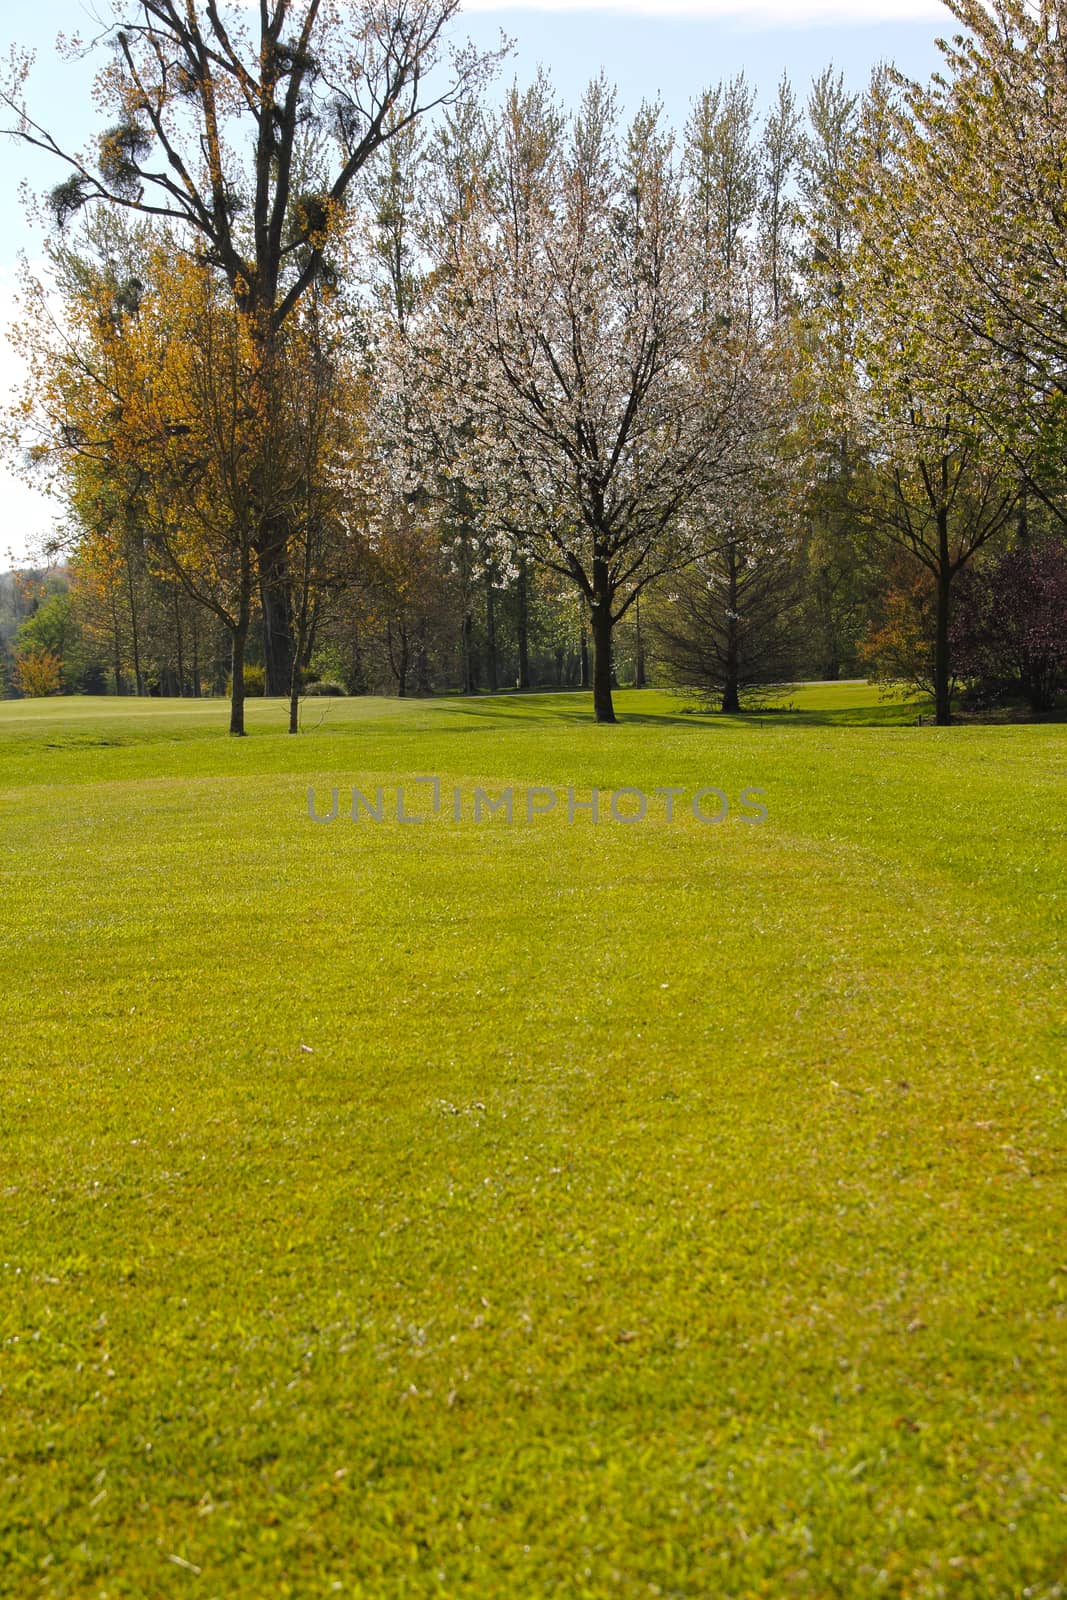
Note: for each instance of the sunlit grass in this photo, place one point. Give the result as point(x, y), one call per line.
point(580, 1210)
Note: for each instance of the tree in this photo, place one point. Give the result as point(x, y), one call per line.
point(490, 573)
point(54, 630)
point(723, 169)
point(980, 185)
point(938, 483)
point(828, 430)
point(315, 89)
point(898, 649)
point(827, 176)
point(148, 426)
point(143, 408)
point(779, 156)
point(407, 599)
point(1010, 626)
point(729, 624)
point(941, 496)
point(38, 672)
point(321, 397)
point(603, 406)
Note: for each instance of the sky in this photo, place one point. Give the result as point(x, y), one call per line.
point(673, 49)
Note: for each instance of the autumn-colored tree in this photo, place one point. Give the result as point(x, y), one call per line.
point(144, 410)
point(899, 650)
point(38, 672)
point(246, 131)
point(147, 424)
point(1010, 626)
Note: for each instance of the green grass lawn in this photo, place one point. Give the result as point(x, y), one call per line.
point(504, 1211)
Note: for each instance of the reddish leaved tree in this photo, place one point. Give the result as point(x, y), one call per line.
point(1010, 622)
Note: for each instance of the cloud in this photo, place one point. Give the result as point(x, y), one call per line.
point(747, 13)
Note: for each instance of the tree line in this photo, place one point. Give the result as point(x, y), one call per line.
point(352, 378)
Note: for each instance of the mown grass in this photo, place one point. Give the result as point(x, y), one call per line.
point(536, 1210)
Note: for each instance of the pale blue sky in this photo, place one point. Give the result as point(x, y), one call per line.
point(671, 48)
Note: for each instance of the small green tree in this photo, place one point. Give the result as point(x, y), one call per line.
point(53, 629)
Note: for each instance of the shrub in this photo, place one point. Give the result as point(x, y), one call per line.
point(898, 652)
point(38, 672)
point(255, 681)
point(324, 687)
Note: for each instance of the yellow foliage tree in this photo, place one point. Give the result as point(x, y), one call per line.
point(247, 132)
point(160, 431)
point(37, 673)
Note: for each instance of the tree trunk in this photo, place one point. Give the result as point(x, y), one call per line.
point(296, 675)
point(523, 627)
point(274, 597)
point(583, 661)
point(303, 624)
point(312, 633)
point(239, 639)
point(491, 663)
point(468, 665)
point(178, 643)
point(273, 528)
point(942, 666)
point(116, 641)
point(400, 659)
point(423, 683)
point(237, 681)
point(138, 681)
point(731, 699)
point(196, 657)
point(600, 616)
point(942, 663)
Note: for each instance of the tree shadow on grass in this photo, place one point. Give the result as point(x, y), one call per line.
point(558, 707)
point(549, 707)
point(852, 704)
point(858, 707)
